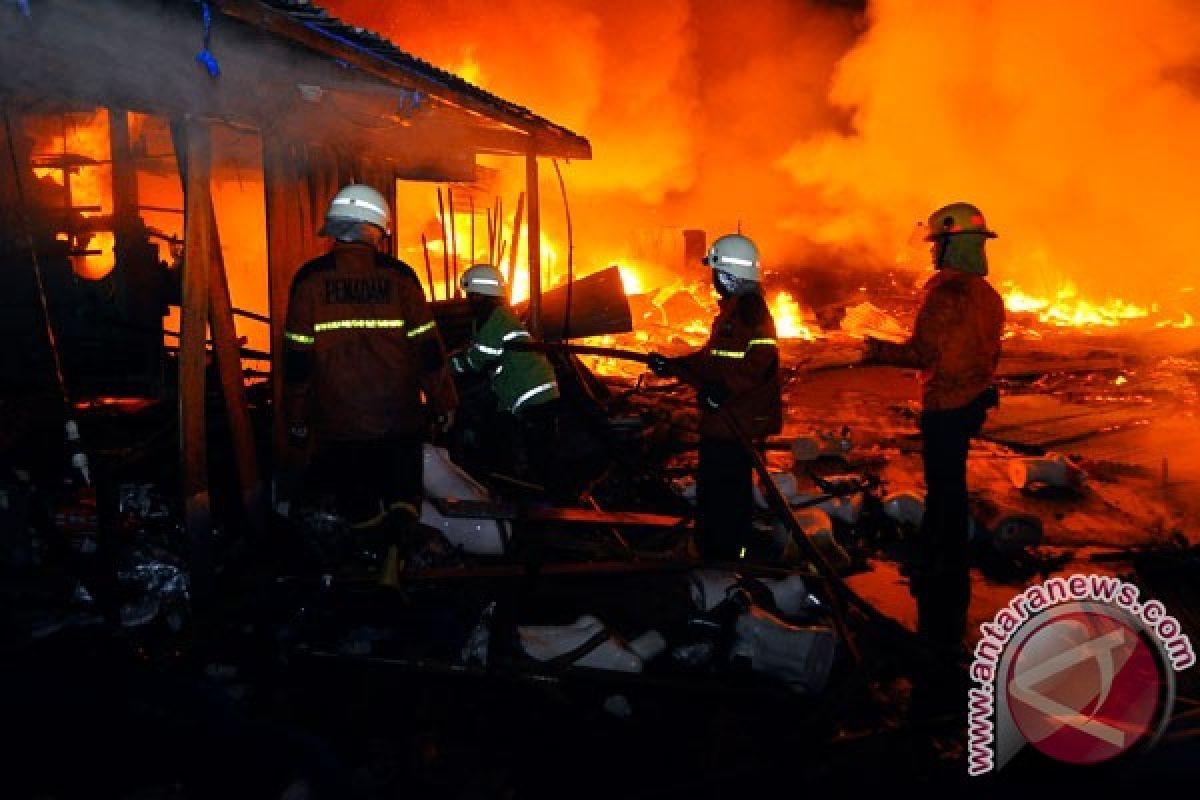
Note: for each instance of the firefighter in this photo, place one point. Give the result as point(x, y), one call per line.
point(738, 390)
point(956, 345)
point(524, 382)
point(364, 368)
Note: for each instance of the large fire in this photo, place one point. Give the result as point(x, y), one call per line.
point(838, 132)
point(76, 159)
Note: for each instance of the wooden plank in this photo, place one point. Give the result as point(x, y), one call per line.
point(227, 355)
point(233, 387)
point(535, 243)
point(285, 252)
point(598, 307)
point(587, 516)
point(198, 256)
point(476, 509)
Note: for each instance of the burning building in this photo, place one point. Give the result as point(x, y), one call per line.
point(164, 167)
point(119, 156)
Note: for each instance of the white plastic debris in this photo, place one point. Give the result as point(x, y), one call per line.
point(799, 656)
point(444, 478)
point(1053, 469)
point(819, 528)
point(546, 642)
point(787, 485)
point(907, 508)
point(843, 509)
point(711, 587)
point(811, 446)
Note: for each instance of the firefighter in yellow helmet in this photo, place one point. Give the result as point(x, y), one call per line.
point(364, 367)
point(738, 372)
point(524, 382)
point(956, 345)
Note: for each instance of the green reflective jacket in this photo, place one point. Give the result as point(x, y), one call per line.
point(519, 379)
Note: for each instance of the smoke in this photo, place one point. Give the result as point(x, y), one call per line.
point(1072, 124)
point(690, 105)
point(827, 133)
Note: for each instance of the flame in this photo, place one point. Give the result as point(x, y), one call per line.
point(90, 187)
point(1067, 309)
point(788, 318)
point(469, 68)
point(631, 280)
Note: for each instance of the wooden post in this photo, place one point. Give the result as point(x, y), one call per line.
point(453, 239)
point(124, 172)
point(198, 257)
point(535, 240)
point(445, 244)
point(228, 359)
point(226, 350)
point(428, 268)
point(282, 192)
point(511, 276)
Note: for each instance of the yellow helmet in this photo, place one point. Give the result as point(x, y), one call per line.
point(957, 218)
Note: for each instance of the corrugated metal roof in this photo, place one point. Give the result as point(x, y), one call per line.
point(374, 46)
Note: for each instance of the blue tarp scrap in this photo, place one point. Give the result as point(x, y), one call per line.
point(205, 56)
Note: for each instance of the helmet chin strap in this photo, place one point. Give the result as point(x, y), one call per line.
point(726, 284)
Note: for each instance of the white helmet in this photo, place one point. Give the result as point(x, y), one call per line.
point(482, 279)
point(360, 203)
point(735, 255)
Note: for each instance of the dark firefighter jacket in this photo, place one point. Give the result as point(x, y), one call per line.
point(519, 379)
point(361, 347)
point(955, 340)
point(742, 357)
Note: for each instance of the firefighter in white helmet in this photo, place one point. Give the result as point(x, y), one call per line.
point(364, 368)
point(739, 395)
point(524, 382)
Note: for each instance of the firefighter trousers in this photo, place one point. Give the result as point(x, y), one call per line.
point(941, 580)
point(724, 499)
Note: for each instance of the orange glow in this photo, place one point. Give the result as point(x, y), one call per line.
point(84, 139)
point(788, 319)
point(1067, 309)
point(838, 132)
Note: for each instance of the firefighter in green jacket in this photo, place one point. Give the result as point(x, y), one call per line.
point(524, 383)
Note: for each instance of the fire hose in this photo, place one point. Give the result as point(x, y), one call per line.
point(776, 502)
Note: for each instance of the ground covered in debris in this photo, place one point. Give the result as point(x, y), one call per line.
point(373, 688)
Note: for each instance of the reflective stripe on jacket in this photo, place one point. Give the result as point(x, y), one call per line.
point(955, 340)
point(361, 348)
point(742, 355)
point(520, 379)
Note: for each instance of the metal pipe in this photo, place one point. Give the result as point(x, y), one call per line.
point(445, 246)
point(453, 239)
point(428, 268)
point(535, 241)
